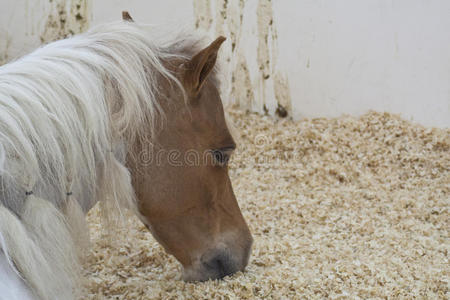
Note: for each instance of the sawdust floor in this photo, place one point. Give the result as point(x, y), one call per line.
point(339, 208)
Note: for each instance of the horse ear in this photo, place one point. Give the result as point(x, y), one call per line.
point(200, 66)
point(126, 16)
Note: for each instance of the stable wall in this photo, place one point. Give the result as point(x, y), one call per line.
point(312, 58)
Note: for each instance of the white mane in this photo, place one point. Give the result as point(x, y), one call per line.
point(67, 112)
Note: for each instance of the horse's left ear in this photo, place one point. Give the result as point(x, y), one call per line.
point(126, 16)
point(200, 66)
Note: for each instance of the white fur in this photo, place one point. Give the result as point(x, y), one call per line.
point(12, 287)
point(23, 250)
point(68, 111)
point(78, 228)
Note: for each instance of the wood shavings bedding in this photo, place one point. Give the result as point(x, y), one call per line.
point(339, 208)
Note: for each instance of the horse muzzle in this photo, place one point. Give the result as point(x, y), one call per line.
point(219, 262)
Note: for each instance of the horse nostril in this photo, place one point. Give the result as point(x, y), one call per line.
point(221, 265)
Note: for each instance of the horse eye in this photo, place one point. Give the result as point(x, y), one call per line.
point(222, 156)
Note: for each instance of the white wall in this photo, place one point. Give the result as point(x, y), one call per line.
point(314, 57)
point(327, 58)
point(383, 55)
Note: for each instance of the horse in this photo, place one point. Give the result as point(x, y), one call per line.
point(128, 118)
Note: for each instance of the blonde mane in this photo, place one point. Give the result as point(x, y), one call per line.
point(68, 111)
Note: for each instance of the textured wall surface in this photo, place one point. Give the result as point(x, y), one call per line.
point(253, 69)
point(26, 24)
point(300, 58)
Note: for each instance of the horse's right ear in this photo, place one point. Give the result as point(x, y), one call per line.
point(200, 66)
point(126, 16)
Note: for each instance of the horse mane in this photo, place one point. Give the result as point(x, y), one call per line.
point(68, 112)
